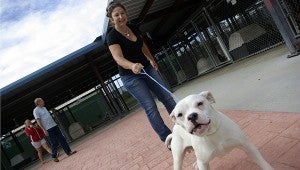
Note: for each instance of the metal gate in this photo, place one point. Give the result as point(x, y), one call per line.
point(291, 10)
point(249, 31)
point(195, 49)
point(208, 40)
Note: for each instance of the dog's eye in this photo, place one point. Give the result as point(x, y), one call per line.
point(179, 115)
point(200, 103)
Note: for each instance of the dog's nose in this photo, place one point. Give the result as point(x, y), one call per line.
point(193, 116)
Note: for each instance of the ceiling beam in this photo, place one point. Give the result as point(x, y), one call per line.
point(144, 11)
point(176, 5)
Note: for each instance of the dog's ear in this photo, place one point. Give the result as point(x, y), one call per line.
point(172, 116)
point(208, 96)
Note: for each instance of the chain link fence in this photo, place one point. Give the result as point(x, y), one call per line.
point(291, 10)
point(250, 31)
point(220, 34)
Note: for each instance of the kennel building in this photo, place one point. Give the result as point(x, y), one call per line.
point(189, 38)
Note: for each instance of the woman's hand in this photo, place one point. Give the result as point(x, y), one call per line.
point(154, 64)
point(136, 68)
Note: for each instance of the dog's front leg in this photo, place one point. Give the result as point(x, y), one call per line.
point(203, 155)
point(178, 152)
point(255, 155)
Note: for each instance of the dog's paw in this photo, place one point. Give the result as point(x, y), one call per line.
point(169, 144)
point(168, 141)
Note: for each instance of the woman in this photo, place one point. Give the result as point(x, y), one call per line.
point(36, 136)
point(132, 55)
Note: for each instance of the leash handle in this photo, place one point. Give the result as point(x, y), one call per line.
point(167, 90)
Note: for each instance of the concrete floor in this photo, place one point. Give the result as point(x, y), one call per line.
point(131, 144)
point(266, 82)
point(258, 93)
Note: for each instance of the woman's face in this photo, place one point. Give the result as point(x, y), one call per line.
point(119, 16)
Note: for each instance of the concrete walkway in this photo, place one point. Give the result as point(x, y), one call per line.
point(131, 144)
point(266, 82)
point(260, 93)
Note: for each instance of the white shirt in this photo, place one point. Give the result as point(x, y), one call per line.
point(45, 117)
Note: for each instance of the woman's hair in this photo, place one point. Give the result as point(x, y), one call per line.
point(25, 122)
point(111, 6)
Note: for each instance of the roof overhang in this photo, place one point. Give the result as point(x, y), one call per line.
point(73, 75)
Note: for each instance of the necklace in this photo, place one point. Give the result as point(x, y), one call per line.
point(127, 33)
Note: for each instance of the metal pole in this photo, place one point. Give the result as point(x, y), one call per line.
point(209, 52)
point(108, 94)
point(168, 58)
point(175, 55)
point(16, 140)
point(282, 25)
point(63, 125)
point(71, 113)
point(219, 37)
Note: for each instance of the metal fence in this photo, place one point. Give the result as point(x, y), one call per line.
point(250, 31)
point(291, 10)
point(207, 41)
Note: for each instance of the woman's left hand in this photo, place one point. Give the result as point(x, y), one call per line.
point(154, 65)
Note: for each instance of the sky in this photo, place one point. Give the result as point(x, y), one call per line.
point(35, 33)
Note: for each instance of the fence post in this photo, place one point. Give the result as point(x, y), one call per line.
point(282, 25)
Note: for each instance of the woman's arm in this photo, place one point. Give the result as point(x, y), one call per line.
point(149, 56)
point(117, 54)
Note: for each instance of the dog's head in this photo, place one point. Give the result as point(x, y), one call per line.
point(194, 113)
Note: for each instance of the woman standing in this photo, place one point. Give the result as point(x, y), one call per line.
point(132, 55)
point(36, 136)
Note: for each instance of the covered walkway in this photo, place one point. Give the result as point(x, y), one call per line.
point(260, 93)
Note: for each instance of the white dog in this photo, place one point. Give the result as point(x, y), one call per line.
point(209, 132)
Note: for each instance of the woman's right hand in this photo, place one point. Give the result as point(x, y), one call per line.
point(136, 68)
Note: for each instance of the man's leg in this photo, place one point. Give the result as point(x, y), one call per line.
point(62, 140)
point(54, 142)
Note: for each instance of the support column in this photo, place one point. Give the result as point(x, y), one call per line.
point(219, 37)
point(282, 25)
point(124, 105)
point(108, 94)
point(63, 122)
point(71, 113)
point(18, 144)
point(4, 152)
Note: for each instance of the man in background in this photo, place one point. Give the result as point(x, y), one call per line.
point(50, 128)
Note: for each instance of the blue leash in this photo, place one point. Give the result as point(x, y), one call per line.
point(145, 73)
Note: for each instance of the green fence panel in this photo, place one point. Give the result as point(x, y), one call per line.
point(91, 111)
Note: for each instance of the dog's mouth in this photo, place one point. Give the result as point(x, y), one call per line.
point(199, 126)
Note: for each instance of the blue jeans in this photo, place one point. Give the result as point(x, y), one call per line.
point(140, 87)
point(56, 136)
